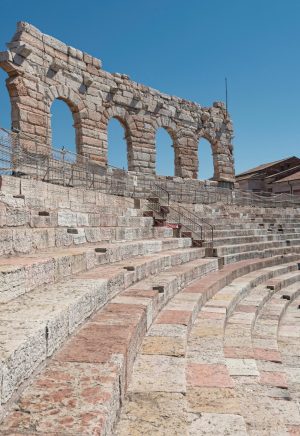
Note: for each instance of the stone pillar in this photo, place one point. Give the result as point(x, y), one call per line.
point(186, 156)
point(89, 139)
point(223, 163)
point(141, 146)
point(29, 113)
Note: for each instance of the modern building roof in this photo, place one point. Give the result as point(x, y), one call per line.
point(281, 174)
point(290, 178)
point(264, 166)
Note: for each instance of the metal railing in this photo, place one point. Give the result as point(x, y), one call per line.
point(200, 195)
point(176, 214)
point(265, 199)
point(23, 155)
point(58, 166)
point(192, 219)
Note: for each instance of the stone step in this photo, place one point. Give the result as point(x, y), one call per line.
point(235, 240)
point(253, 225)
point(252, 311)
point(225, 233)
point(253, 358)
point(23, 217)
point(22, 274)
point(255, 246)
point(211, 390)
point(271, 315)
point(117, 328)
point(230, 296)
point(44, 196)
point(16, 241)
point(15, 212)
point(158, 375)
point(288, 341)
point(261, 253)
point(37, 323)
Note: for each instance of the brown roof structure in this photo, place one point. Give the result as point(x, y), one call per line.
point(264, 166)
point(260, 170)
point(290, 178)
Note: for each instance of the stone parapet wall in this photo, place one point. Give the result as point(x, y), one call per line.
point(42, 69)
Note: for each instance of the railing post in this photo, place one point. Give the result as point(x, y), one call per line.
point(63, 161)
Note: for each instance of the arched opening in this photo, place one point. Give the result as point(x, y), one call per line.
point(205, 160)
point(5, 107)
point(62, 127)
point(118, 150)
point(165, 159)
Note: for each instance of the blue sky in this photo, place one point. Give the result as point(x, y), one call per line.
point(186, 48)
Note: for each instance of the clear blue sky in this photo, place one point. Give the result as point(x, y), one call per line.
point(186, 48)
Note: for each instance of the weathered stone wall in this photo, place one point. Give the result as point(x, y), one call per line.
point(42, 69)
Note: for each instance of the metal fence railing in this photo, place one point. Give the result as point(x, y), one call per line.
point(23, 155)
point(265, 199)
point(176, 213)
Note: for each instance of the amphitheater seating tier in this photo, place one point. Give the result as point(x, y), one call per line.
point(111, 325)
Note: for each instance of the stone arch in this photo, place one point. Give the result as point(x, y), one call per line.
point(129, 126)
point(164, 150)
point(213, 145)
point(217, 150)
point(77, 107)
point(172, 129)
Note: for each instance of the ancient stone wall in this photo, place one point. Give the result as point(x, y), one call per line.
point(41, 69)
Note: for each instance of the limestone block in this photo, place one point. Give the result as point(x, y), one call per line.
point(108, 233)
point(22, 240)
point(87, 296)
point(24, 349)
point(39, 273)
point(6, 241)
point(17, 217)
point(43, 221)
point(11, 282)
point(66, 218)
point(108, 220)
point(82, 219)
point(79, 238)
point(10, 185)
point(93, 234)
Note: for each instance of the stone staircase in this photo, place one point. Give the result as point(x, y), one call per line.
point(113, 325)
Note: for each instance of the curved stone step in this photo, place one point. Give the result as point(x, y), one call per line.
point(274, 251)
point(20, 241)
point(255, 365)
point(35, 324)
point(58, 320)
point(211, 393)
point(289, 348)
point(19, 275)
point(264, 337)
point(237, 240)
point(225, 233)
point(255, 246)
point(156, 396)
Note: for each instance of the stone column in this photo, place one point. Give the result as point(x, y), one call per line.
point(141, 146)
point(186, 156)
point(29, 113)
